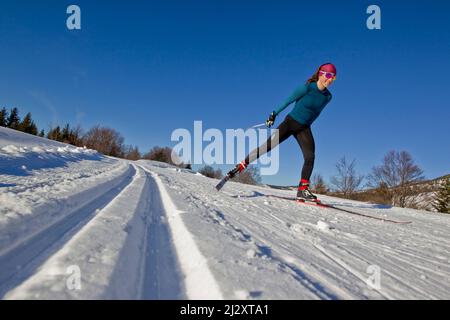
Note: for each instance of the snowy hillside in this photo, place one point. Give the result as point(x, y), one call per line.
point(147, 230)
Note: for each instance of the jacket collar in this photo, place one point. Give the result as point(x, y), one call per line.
point(324, 91)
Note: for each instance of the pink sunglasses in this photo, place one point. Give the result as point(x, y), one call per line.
point(328, 75)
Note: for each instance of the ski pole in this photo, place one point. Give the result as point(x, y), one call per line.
point(259, 125)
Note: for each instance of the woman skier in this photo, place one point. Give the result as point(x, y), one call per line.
point(310, 99)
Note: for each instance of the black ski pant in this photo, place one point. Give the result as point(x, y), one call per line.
point(303, 135)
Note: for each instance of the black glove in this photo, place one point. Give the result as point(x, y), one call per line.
point(271, 120)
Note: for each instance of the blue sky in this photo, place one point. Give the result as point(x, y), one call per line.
point(149, 67)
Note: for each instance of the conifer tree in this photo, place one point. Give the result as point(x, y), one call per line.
point(33, 129)
point(442, 197)
point(25, 125)
point(3, 117)
point(13, 121)
point(54, 134)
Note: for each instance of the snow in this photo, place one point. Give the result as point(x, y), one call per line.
point(323, 226)
point(107, 250)
point(147, 230)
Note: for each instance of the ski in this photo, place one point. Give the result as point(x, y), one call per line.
point(222, 182)
point(329, 206)
point(230, 175)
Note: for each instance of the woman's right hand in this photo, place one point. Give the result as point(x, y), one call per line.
point(271, 120)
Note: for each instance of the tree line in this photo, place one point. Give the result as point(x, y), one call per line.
point(105, 140)
point(12, 120)
point(397, 181)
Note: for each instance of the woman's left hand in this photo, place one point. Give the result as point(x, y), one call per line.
point(271, 120)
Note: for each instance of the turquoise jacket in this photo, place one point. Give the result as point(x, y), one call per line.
point(309, 103)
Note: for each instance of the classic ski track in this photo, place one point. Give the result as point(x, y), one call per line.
point(19, 262)
point(156, 276)
point(144, 273)
point(198, 280)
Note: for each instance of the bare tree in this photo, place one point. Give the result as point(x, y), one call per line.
point(397, 174)
point(346, 180)
point(105, 140)
point(318, 184)
point(209, 171)
point(249, 176)
point(132, 153)
point(167, 155)
point(76, 136)
point(54, 133)
point(159, 154)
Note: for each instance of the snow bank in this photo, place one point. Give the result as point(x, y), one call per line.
point(43, 181)
point(20, 153)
